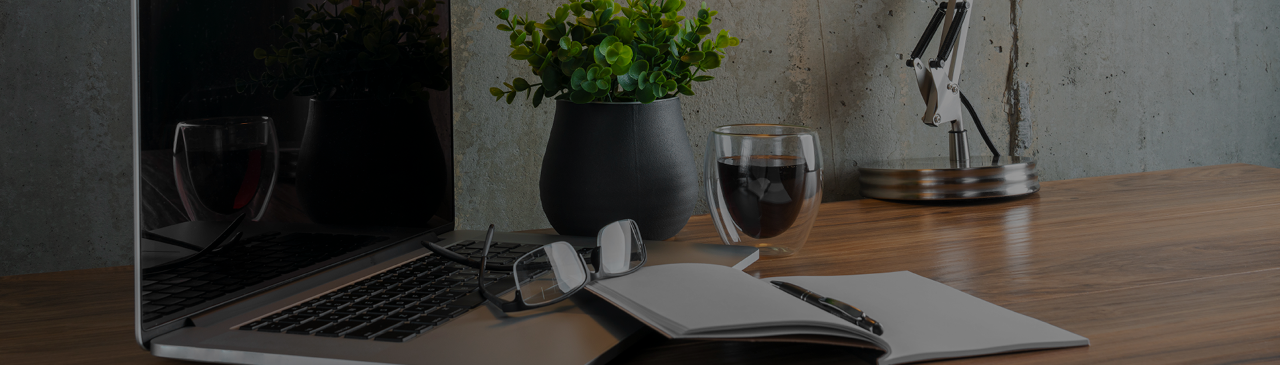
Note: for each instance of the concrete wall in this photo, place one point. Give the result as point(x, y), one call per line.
point(66, 195)
point(1089, 87)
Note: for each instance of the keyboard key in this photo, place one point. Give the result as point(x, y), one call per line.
point(420, 309)
point(394, 336)
point(368, 303)
point(383, 311)
point(403, 317)
point(339, 329)
point(366, 318)
point(435, 301)
point(371, 330)
point(417, 295)
point(275, 327)
point(332, 317)
point(254, 325)
point(431, 319)
point(418, 328)
point(383, 297)
point(278, 316)
point(451, 311)
point(294, 319)
point(308, 328)
point(470, 301)
point(349, 311)
point(399, 303)
point(313, 312)
point(331, 305)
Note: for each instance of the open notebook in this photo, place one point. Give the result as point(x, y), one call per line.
point(922, 319)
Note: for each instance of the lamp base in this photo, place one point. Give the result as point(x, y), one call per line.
point(939, 178)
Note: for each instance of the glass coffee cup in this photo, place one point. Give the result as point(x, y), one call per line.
point(764, 184)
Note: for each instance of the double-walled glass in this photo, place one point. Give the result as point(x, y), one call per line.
point(764, 184)
point(225, 167)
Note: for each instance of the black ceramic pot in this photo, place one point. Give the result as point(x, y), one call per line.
point(370, 162)
point(610, 161)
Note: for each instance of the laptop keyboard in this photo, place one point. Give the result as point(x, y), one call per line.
point(399, 303)
point(253, 261)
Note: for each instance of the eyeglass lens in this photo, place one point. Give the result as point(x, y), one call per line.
point(563, 268)
point(619, 251)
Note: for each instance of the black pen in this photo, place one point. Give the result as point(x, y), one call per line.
point(833, 306)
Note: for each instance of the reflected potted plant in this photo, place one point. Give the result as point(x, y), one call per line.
point(370, 153)
point(618, 147)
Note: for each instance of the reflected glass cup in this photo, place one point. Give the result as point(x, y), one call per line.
point(764, 184)
point(225, 167)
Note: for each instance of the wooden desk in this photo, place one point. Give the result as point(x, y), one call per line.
point(1177, 266)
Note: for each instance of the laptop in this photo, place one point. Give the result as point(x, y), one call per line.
point(235, 262)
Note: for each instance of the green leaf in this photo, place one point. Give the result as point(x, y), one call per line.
point(734, 41)
point(648, 51)
point(722, 40)
point(521, 53)
point(637, 68)
point(595, 39)
point(511, 97)
point(580, 97)
point(587, 21)
point(684, 89)
point(550, 77)
point(602, 84)
point(704, 15)
point(703, 30)
point(645, 95)
point(562, 13)
point(502, 13)
point(599, 58)
point(607, 43)
point(642, 80)
point(495, 91)
point(692, 57)
point(520, 84)
point(703, 78)
point(669, 85)
point(627, 82)
point(668, 6)
point(539, 94)
point(579, 77)
point(712, 61)
point(259, 53)
point(569, 66)
point(622, 67)
point(504, 27)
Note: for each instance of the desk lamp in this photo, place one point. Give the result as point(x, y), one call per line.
point(958, 176)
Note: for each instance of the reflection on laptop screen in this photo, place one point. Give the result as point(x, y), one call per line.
point(279, 138)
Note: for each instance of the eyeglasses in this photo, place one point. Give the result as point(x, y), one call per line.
point(554, 272)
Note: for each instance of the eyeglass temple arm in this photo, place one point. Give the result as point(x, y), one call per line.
point(455, 257)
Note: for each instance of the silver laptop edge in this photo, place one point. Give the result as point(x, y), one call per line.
point(585, 329)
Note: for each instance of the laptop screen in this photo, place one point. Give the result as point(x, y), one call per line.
point(278, 138)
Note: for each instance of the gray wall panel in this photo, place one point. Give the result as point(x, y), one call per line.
point(1098, 88)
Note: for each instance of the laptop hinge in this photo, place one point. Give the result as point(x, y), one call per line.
point(431, 237)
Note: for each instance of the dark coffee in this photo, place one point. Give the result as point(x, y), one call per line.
point(762, 193)
point(226, 181)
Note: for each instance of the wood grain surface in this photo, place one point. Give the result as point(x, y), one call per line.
point(1175, 266)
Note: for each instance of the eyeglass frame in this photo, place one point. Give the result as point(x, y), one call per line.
point(518, 304)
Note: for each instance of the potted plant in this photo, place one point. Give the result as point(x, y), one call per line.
point(618, 147)
point(367, 66)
